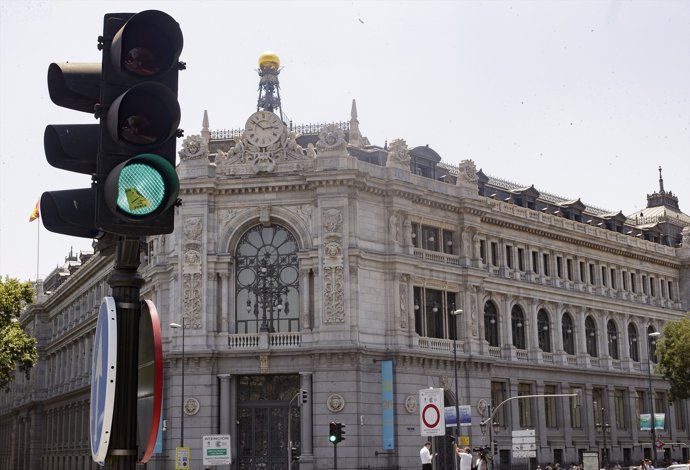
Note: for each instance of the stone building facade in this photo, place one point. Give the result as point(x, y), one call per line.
point(305, 259)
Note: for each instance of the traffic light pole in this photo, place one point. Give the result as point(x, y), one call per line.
point(125, 282)
point(335, 456)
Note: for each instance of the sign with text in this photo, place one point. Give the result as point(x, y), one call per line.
point(217, 450)
point(465, 415)
point(431, 415)
point(524, 444)
point(646, 421)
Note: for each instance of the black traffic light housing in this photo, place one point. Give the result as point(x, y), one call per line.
point(336, 432)
point(131, 155)
point(333, 433)
point(340, 432)
point(72, 147)
point(137, 184)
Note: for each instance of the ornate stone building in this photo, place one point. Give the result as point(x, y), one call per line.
point(305, 258)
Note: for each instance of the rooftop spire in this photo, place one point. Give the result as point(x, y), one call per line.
point(662, 197)
point(661, 182)
point(355, 136)
point(269, 86)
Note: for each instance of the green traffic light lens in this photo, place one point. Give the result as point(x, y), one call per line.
point(141, 189)
point(332, 438)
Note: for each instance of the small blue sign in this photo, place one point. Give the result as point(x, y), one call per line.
point(103, 372)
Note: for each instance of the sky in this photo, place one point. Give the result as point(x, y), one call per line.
point(582, 99)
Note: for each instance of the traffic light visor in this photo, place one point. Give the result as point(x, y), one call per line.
point(148, 45)
point(144, 116)
point(142, 187)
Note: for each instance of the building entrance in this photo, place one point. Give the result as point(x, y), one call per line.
point(267, 405)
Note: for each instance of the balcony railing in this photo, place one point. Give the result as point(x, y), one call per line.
point(251, 341)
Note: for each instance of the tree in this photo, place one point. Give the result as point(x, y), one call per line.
point(673, 351)
point(16, 347)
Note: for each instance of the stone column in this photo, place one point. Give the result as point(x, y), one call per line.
point(306, 428)
point(225, 326)
point(225, 406)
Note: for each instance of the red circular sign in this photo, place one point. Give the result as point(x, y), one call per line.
point(437, 418)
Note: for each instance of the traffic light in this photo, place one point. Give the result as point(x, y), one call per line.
point(137, 185)
point(333, 432)
point(305, 396)
point(336, 431)
point(131, 155)
point(340, 432)
point(72, 147)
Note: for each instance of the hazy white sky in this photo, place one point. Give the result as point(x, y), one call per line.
point(580, 98)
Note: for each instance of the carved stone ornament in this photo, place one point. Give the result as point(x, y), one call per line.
point(482, 407)
point(192, 229)
point(331, 140)
point(685, 234)
point(191, 406)
point(467, 172)
point(335, 403)
point(398, 154)
point(411, 404)
point(333, 220)
point(193, 148)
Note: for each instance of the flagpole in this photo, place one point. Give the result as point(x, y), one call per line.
point(38, 248)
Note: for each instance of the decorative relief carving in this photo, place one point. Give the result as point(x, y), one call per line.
point(192, 229)
point(191, 286)
point(407, 231)
point(411, 404)
point(263, 364)
point(403, 302)
point(331, 140)
point(333, 274)
point(193, 148)
point(398, 155)
point(335, 403)
point(246, 158)
point(473, 315)
point(191, 406)
point(333, 220)
point(227, 215)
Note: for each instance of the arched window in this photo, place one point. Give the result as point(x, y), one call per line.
point(544, 332)
point(651, 344)
point(568, 335)
point(612, 336)
point(267, 281)
point(491, 323)
point(591, 336)
point(517, 323)
point(633, 342)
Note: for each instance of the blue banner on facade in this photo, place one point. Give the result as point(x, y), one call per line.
point(387, 413)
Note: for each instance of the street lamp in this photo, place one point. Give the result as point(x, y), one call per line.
point(652, 340)
point(455, 370)
point(605, 427)
point(177, 325)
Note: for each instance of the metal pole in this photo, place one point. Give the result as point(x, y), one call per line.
point(335, 456)
point(182, 409)
point(125, 282)
point(457, 397)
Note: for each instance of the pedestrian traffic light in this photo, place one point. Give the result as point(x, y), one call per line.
point(137, 186)
point(305, 396)
point(333, 432)
point(72, 147)
point(340, 432)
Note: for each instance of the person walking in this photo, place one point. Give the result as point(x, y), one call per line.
point(481, 463)
point(425, 456)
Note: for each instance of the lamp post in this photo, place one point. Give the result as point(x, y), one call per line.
point(455, 370)
point(605, 427)
point(652, 339)
point(177, 325)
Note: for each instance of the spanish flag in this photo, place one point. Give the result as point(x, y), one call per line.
point(35, 214)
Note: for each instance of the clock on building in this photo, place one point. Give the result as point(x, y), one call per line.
point(263, 128)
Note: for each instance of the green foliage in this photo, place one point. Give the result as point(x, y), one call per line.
point(17, 349)
point(673, 351)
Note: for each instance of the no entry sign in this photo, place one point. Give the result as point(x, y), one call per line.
point(431, 417)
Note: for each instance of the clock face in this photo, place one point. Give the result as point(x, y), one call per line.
point(263, 128)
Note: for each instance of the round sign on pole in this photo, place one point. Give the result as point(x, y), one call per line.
point(431, 415)
point(150, 385)
point(103, 373)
